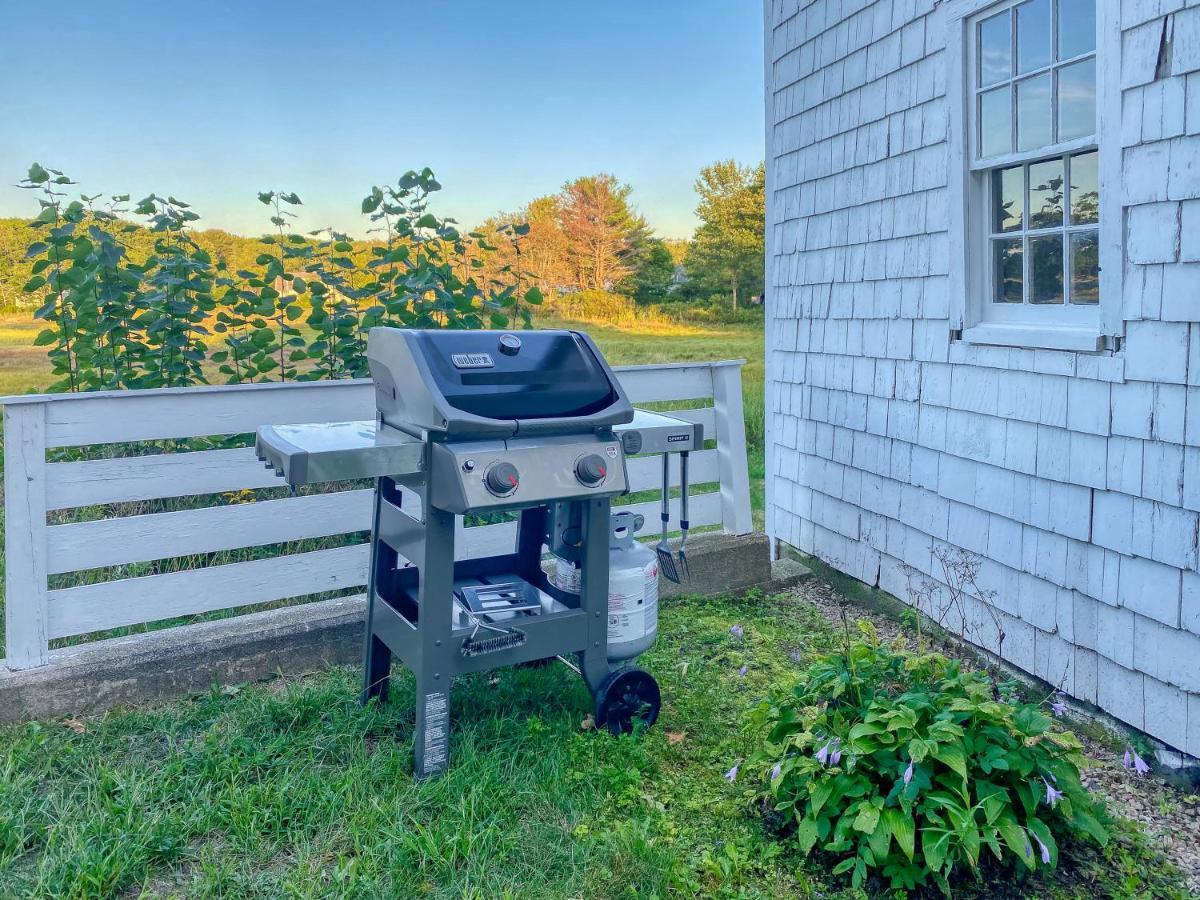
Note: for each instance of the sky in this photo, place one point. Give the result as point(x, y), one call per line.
point(505, 100)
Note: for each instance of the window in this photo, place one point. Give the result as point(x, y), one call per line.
point(1029, 136)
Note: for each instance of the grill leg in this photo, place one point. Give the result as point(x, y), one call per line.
point(377, 658)
point(593, 595)
point(431, 742)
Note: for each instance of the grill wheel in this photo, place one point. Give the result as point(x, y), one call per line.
point(627, 699)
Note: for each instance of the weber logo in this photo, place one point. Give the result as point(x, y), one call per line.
point(678, 438)
point(472, 360)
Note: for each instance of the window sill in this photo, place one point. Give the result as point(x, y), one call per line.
point(1080, 340)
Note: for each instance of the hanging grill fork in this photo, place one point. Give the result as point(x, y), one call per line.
point(684, 568)
point(666, 559)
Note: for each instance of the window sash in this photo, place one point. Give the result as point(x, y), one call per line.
point(975, 90)
point(1075, 328)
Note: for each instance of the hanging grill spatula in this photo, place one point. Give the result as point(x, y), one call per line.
point(666, 559)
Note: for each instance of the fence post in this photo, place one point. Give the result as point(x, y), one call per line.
point(25, 644)
point(731, 449)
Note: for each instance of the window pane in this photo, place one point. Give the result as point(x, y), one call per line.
point(1008, 200)
point(1076, 27)
point(995, 122)
point(1077, 100)
point(1046, 194)
point(1085, 188)
point(1046, 269)
point(1006, 266)
point(1085, 267)
point(1034, 120)
point(995, 49)
point(1033, 35)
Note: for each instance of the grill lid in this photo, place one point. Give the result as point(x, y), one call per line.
point(494, 383)
point(533, 375)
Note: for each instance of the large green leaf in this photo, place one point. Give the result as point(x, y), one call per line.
point(903, 827)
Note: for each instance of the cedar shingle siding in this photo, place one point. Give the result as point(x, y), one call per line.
point(1075, 477)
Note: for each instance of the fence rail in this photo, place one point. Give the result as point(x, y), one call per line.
point(34, 488)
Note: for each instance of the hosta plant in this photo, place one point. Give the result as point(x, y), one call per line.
point(903, 765)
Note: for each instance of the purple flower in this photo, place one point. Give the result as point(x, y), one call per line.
point(1052, 795)
point(1059, 706)
point(743, 670)
point(737, 631)
point(731, 775)
point(1045, 850)
point(823, 754)
point(777, 771)
point(835, 757)
point(1132, 760)
point(908, 773)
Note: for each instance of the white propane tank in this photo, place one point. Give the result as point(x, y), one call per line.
point(632, 589)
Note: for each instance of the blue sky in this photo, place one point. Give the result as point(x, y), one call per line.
point(214, 101)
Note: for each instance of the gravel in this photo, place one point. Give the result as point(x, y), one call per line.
point(1170, 817)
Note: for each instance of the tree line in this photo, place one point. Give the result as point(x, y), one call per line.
point(590, 237)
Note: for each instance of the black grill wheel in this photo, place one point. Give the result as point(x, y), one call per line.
point(627, 698)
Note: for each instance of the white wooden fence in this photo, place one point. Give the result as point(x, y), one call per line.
point(34, 550)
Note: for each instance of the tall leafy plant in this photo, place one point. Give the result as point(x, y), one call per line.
point(301, 311)
point(174, 310)
point(59, 278)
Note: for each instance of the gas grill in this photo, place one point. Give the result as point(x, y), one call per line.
point(477, 423)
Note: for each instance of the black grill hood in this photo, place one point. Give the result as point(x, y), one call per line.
point(494, 383)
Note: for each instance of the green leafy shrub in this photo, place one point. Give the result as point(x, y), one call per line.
point(908, 767)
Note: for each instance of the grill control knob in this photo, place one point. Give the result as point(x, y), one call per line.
point(591, 470)
point(510, 344)
point(502, 479)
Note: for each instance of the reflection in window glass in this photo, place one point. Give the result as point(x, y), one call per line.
point(1085, 189)
point(1046, 194)
point(995, 122)
point(1077, 100)
point(1034, 120)
point(1007, 266)
point(1033, 35)
point(1076, 27)
point(1046, 269)
point(1085, 267)
point(1008, 189)
point(995, 49)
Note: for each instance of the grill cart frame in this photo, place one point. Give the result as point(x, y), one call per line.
point(416, 609)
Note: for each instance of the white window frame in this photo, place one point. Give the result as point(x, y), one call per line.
point(1077, 328)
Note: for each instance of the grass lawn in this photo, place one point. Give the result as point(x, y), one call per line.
point(23, 367)
point(289, 789)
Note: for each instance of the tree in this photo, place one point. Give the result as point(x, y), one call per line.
point(604, 235)
point(728, 248)
point(655, 273)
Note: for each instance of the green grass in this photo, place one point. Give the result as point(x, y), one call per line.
point(290, 789)
point(23, 367)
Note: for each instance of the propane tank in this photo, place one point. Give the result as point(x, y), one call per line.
point(632, 588)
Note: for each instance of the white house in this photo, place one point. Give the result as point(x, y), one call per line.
point(983, 254)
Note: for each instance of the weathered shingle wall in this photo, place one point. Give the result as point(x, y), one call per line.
point(1074, 477)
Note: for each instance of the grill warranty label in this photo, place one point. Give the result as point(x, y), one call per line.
point(472, 360)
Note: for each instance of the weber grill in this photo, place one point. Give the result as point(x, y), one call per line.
point(472, 423)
